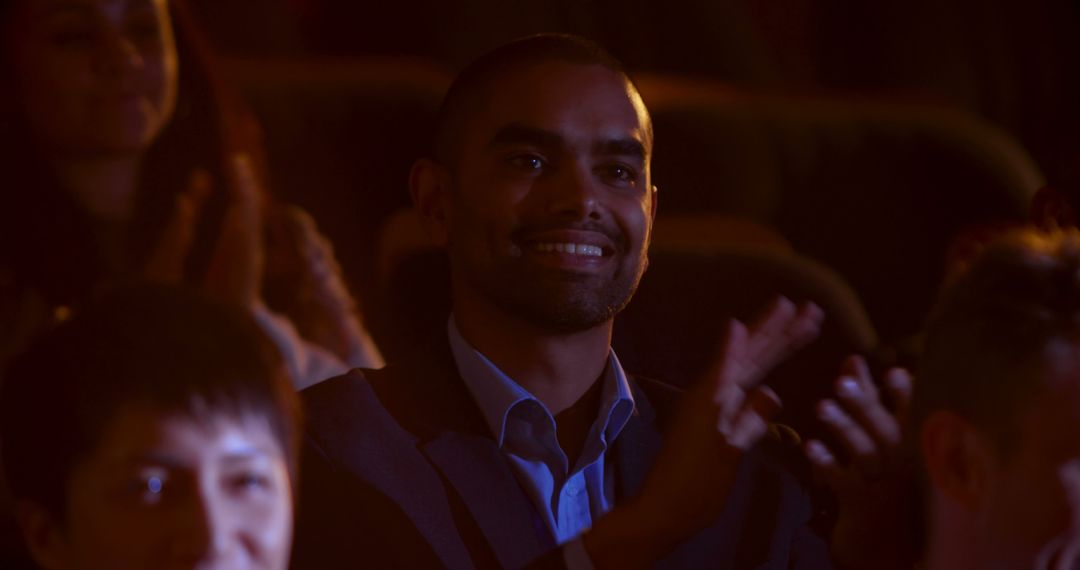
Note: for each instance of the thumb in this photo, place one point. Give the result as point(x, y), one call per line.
point(166, 261)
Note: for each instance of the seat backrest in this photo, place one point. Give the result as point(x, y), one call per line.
point(673, 324)
point(341, 137)
point(875, 190)
point(672, 328)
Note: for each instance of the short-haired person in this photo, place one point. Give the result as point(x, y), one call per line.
point(996, 409)
point(153, 430)
point(516, 430)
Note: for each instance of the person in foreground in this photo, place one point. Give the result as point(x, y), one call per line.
point(994, 414)
point(153, 430)
point(515, 438)
point(997, 407)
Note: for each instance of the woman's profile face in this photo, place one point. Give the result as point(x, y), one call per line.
point(93, 77)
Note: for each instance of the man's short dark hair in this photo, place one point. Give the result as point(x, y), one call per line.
point(169, 350)
point(986, 342)
point(468, 91)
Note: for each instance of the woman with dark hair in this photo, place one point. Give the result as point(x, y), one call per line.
point(125, 157)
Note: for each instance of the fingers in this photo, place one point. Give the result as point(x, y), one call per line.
point(781, 330)
point(862, 403)
point(898, 383)
point(747, 354)
point(824, 464)
point(862, 448)
point(246, 193)
point(166, 262)
point(855, 367)
point(730, 366)
point(236, 268)
point(1063, 552)
point(752, 422)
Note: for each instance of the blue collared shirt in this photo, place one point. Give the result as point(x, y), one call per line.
point(568, 497)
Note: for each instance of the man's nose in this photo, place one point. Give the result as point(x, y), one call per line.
point(204, 531)
point(574, 193)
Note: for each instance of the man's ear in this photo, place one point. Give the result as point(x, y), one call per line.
point(958, 459)
point(429, 185)
point(42, 534)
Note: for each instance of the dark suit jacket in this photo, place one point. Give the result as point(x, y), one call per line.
point(400, 470)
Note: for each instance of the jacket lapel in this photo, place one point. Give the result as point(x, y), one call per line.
point(487, 487)
point(637, 446)
point(456, 441)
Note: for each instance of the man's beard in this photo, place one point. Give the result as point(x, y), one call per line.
point(561, 303)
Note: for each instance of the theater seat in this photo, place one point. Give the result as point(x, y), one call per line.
point(341, 137)
point(673, 326)
point(875, 190)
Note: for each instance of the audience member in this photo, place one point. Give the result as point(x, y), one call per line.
point(153, 430)
point(993, 414)
point(125, 157)
point(518, 430)
point(1063, 553)
point(997, 404)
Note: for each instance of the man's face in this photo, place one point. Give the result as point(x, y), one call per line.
point(178, 492)
point(1027, 505)
point(550, 205)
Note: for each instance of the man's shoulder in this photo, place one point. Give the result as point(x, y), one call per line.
point(344, 412)
point(401, 386)
point(418, 396)
point(341, 397)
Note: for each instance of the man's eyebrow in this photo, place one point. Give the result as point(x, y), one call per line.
point(620, 147)
point(165, 459)
point(154, 457)
point(520, 134)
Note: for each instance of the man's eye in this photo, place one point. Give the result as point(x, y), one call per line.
point(621, 174)
point(148, 489)
point(529, 162)
point(248, 482)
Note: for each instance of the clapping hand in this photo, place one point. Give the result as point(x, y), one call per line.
point(725, 414)
point(236, 265)
point(874, 487)
point(1063, 553)
point(305, 281)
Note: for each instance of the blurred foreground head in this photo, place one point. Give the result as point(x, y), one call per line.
point(154, 430)
point(997, 403)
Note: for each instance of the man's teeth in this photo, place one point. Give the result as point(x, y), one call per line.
point(571, 248)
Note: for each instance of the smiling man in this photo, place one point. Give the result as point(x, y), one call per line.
point(517, 432)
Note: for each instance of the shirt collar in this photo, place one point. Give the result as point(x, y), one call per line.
point(497, 394)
